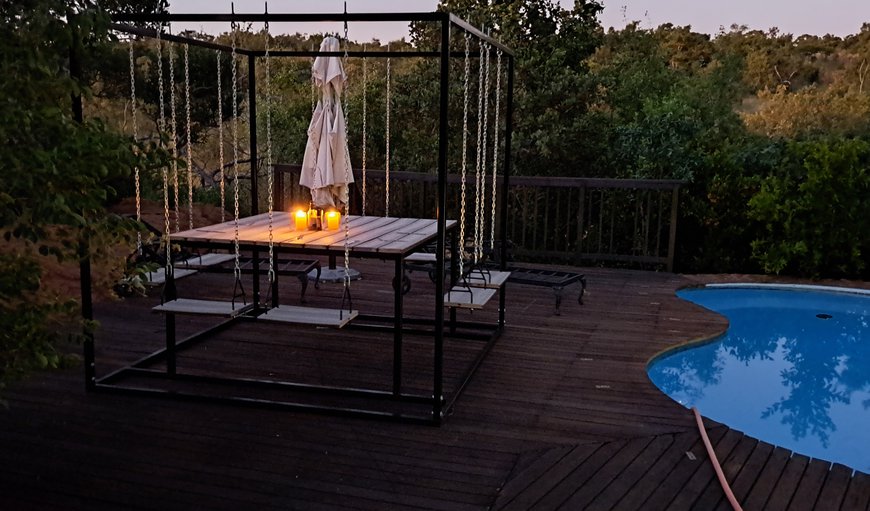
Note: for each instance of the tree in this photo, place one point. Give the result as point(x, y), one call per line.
point(553, 91)
point(53, 187)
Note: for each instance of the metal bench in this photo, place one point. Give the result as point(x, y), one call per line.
point(554, 279)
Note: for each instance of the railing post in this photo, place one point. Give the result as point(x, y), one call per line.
point(581, 218)
point(672, 235)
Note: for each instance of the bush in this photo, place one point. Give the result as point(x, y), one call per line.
point(31, 323)
point(813, 210)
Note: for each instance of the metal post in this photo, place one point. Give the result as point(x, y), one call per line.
point(440, 215)
point(275, 297)
point(454, 274)
point(170, 344)
point(255, 196)
point(87, 314)
point(75, 71)
point(508, 138)
point(672, 234)
point(397, 328)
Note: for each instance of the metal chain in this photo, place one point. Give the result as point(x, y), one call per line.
point(346, 170)
point(135, 140)
point(270, 172)
point(189, 141)
point(364, 129)
point(480, 155)
point(235, 128)
point(464, 199)
point(220, 123)
point(481, 212)
point(174, 147)
point(387, 156)
point(495, 146)
point(161, 120)
point(161, 125)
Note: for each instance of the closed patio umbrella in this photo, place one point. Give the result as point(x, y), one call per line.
point(326, 168)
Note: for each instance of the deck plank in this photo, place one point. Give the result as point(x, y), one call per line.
point(787, 485)
point(748, 475)
point(561, 414)
point(834, 489)
point(858, 495)
point(810, 486)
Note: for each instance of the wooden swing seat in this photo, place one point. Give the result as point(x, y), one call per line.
point(158, 276)
point(314, 316)
point(462, 297)
point(204, 261)
point(203, 307)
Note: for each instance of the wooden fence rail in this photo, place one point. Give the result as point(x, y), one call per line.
point(550, 219)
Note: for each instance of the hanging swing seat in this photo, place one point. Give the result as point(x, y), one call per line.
point(158, 276)
point(335, 318)
point(203, 307)
point(490, 279)
point(465, 297)
point(203, 261)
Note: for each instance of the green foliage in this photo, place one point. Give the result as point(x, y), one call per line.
point(56, 171)
point(30, 325)
point(814, 210)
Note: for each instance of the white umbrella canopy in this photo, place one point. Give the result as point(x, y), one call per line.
point(326, 168)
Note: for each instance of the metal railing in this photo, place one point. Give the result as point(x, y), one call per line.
point(550, 219)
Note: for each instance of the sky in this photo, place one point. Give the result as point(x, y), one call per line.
point(838, 17)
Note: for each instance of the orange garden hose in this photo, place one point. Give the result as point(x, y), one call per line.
point(715, 461)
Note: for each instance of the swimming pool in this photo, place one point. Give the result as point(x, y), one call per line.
point(793, 369)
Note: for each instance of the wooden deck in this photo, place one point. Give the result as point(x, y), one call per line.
point(560, 415)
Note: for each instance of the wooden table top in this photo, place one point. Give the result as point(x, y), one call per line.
point(367, 234)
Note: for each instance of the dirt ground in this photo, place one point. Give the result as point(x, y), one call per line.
point(62, 278)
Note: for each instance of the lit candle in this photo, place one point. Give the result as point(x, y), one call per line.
point(301, 220)
point(333, 220)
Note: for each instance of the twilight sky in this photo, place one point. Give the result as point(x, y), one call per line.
point(838, 17)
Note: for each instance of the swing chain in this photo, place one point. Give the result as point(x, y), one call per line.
point(495, 146)
point(481, 209)
point(463, 200)
point(161, 120)
point(235, 129)
point(364, 128)
point(346, 169)
point(135, 140)
point(174, 146)
point(161, 124)
point(269, 170)
point(388, 135)
point(189, 142)
point(479, 155)
point(220, 122)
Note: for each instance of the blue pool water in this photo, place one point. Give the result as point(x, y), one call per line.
point(793, 369)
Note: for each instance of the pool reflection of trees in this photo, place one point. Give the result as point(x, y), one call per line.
point(821, 372)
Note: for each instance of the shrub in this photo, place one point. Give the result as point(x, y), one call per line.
point(814, 210)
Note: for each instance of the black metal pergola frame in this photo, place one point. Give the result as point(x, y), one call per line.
point(439, 405)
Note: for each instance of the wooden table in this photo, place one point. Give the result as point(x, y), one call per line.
point(386, 238)
point(368, 236)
